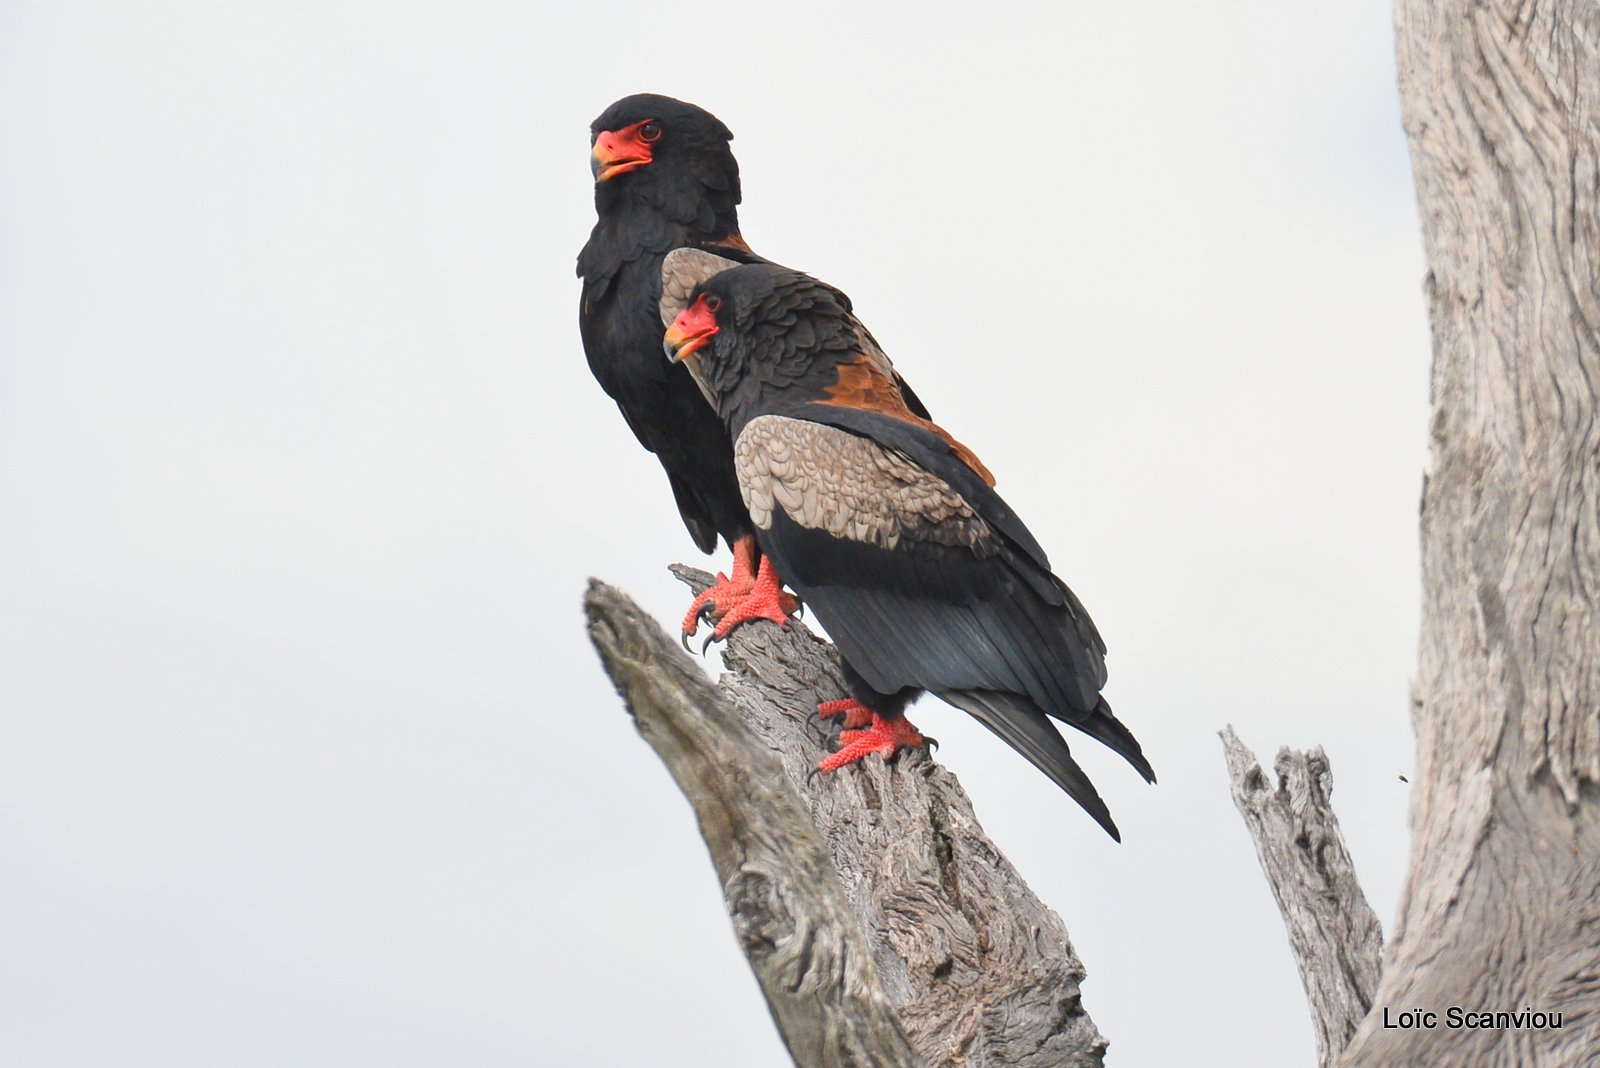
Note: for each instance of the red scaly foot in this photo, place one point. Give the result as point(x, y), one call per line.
point(766, 600)
point(731, 601)
point(725, 589)
point(856, 715)
point(886, 737)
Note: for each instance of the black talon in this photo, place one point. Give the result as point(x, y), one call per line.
point(707, 643)
point(683, 637)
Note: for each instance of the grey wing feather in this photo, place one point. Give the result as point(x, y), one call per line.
point(681, 271)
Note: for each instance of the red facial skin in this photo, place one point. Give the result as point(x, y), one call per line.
point(620, 151)
point(694, 327)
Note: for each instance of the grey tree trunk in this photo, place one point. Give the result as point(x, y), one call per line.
point(913, 907)
point(1501, 908)
point(1333, 932)
point(811, 961)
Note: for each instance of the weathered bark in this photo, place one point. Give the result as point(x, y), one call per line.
point(1501, 908)
point(802, 943)
point(980, 972)
point(1333, 932)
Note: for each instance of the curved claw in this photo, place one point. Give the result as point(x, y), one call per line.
point(932, 743)
point(886, 737)
point(691, 625)
point(707, 643)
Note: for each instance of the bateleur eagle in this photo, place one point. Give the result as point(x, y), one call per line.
point(665, 178)
point(891, 531)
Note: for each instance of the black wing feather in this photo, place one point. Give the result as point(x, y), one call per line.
point(940, 618)
point(1025, 729)
point(621, 331)
point(951, 619)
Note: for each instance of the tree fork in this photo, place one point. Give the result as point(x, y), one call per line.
point(1501, 906)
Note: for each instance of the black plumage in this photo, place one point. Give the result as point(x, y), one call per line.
point(686, 194)
point(665, 180)
point(891, 531)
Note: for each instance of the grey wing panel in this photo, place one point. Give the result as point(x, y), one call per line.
point(681, 271)
point(850, 486)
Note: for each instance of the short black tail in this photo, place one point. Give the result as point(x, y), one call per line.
point(1025, 728)
point(1107, 729)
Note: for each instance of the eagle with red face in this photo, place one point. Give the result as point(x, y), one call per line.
point(891, 531)
point(665, 178)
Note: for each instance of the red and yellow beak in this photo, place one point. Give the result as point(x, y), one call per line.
point(618, 152)
point(691, 331)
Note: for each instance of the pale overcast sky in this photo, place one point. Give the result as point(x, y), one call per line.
point(307, 760)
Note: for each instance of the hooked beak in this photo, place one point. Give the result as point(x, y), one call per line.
point(688, 334)
point(612, 155)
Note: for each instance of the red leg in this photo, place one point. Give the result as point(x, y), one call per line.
point(725, 589)
point(886, 737)
point(766, 600)
point(856, 715)
point(752, 593)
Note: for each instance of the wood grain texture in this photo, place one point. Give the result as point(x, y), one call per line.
point(802, 943)
point(1501, 909)
point(1333, 933)
point(979, 971)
